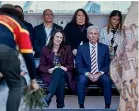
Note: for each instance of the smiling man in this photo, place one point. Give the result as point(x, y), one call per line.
point(44, 31)
point(92, 64)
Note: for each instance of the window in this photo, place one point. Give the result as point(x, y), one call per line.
point(71, 6)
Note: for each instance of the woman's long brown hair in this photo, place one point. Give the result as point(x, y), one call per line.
point(115, 13)
point(63, 46)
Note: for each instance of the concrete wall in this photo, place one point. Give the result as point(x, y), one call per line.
point(62, 19)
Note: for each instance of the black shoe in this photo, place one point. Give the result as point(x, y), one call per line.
point(48, 99)
point(81, 106)
point(59, 107)
point(107, 106)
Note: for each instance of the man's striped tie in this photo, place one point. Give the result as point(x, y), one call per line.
point(93, 61)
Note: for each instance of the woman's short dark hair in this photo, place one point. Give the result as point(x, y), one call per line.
point(115, 13)
point(75, 15)
point(63, 43)
point(22, 17)
point(18, 6)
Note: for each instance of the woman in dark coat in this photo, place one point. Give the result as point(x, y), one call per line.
point(76, 30)
point(56, 65)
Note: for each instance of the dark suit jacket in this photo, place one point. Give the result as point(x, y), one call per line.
point(83, 59)
point(30, 30)
point(46, 62)
point(40, 37)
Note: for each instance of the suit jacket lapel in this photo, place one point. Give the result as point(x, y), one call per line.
point(44, 35)
point(53, 28)
point(87, 54)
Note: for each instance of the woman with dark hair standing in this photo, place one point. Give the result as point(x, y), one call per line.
point(76, 30)
point(112, 34)
point(56, 64)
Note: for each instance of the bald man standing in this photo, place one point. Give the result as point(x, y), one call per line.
point(43, 31)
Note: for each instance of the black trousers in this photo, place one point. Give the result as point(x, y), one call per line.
point(57, 86)
point(10, 68)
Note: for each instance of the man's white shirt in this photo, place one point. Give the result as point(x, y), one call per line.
point(96, 50)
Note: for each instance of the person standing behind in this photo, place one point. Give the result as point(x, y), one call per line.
point(92, 64)
point(112, 34)
point(43, 31)
point(27, 24)
point(12, 33)
point(75, 31)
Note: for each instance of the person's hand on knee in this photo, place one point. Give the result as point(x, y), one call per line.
point(51, 70)
point(1, 75)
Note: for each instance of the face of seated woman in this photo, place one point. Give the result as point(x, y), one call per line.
point(58, 38)
point(80, 18)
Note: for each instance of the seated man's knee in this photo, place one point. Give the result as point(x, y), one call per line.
point(82, 79)
point(107, 80)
